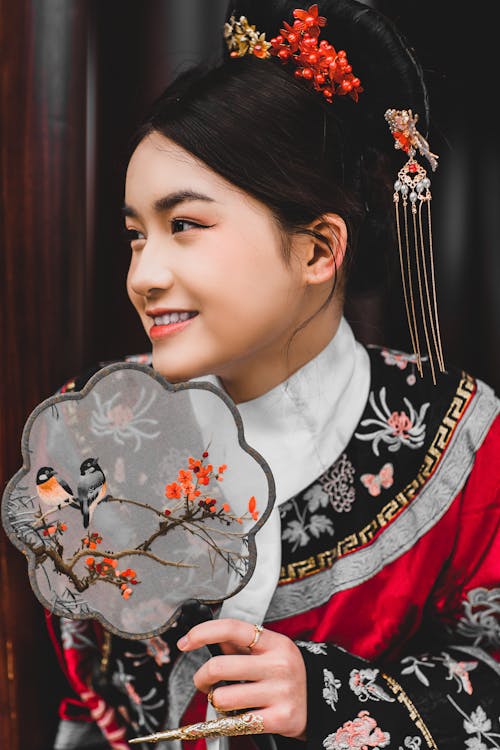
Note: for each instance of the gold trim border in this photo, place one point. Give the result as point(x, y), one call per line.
point(324, 560)
point(406, 701)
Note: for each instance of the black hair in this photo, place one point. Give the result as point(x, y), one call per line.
point(273, 136)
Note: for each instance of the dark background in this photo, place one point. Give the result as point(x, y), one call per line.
point(75, 78)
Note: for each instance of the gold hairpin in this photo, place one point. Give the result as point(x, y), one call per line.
point(412, 190)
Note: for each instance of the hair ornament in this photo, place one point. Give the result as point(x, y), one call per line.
point(412, 203)
point(243, 39)
point(318, 63)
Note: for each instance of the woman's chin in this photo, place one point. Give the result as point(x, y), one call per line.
point(176, 373)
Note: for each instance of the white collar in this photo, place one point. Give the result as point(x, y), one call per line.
point(302, 425)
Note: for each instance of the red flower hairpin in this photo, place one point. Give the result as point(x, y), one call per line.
point(318, 63)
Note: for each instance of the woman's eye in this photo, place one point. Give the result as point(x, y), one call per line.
point(133, 234)
point(181, 225)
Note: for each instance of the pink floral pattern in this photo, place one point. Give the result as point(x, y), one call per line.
point(395, 428)
point(359, 734)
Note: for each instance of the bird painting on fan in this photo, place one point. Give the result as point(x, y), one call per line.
point(91, 488)
point(52, 490)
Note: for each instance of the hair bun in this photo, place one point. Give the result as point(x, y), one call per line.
point(380, 56)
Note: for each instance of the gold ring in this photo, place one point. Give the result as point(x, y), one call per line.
point(258, 631)
point(210, 697)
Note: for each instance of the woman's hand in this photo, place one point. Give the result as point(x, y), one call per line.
point(273, 673)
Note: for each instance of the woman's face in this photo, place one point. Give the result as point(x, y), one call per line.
point(207, 275)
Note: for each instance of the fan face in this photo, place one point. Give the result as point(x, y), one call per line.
point(134, 496)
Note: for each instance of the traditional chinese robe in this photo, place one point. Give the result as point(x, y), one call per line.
point(390, 569)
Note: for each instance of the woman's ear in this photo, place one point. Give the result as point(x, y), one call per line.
point(323, 253)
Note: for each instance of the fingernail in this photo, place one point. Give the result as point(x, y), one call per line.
point(182, 642)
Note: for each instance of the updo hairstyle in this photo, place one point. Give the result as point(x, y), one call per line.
point(251, 121)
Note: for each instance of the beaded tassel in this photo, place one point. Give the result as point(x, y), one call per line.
point(412, 203)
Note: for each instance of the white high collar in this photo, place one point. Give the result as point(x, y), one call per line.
point(302, 425)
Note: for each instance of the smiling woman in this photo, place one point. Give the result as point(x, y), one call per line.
point(217, 258)
point(254, 187)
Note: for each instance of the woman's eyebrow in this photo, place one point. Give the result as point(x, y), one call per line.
point(169, 201)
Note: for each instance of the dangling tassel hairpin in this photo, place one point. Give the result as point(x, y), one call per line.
point(412, 190)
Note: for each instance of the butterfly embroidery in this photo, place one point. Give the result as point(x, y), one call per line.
point(374, 483)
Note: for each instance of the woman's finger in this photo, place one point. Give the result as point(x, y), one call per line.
point(236, 632)
point(239, 696)
point(232, 669)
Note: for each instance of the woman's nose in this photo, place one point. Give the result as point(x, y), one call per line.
point(149, 270)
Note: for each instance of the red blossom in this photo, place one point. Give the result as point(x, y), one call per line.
point(310, 20)
point(329, 72)
point(173, 491)
point(185, 478)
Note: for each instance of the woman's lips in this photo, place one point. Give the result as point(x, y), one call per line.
point(162, 331)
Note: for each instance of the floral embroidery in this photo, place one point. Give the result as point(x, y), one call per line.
point(331, 688)
point(394, 428)
point(76, 634)
point(395, 357)
point(362, 683)
point(413, 667)
point(141, 705)
point(412, 743)
point(123, 422)
point(338, 482)
point(316, 497)
point(375, 483)
point(481, 620)
point(299, 530)
point(359, 734)
point(459, 671)
point(155, 648)
point(319, 649)
point(479, 724)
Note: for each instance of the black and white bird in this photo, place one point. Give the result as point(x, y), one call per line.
point(91, 488)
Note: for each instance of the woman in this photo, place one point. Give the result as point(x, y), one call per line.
point(250, 191)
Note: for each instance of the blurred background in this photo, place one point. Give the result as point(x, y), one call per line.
point(76, 78)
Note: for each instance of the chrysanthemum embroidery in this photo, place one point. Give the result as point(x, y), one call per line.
point(338, 483)
point(122, 421)
point(481, 619)
point(375, 483)
point(359, 734)
point(363, 685)
point(331, 688)
point(392, 427)
point(318, 649)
